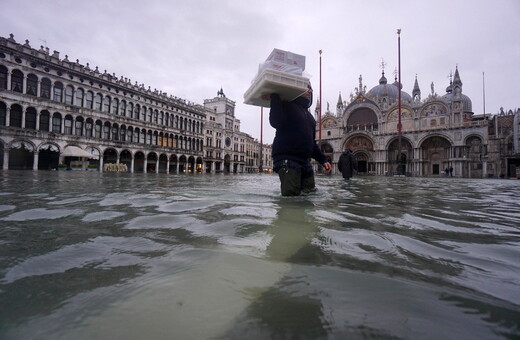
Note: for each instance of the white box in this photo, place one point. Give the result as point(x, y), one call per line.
point(288, 86)
point(288, 58)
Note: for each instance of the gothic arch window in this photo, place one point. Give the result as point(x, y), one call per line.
point(30, 118)
point(32, 85)
point(79, 97)
point(3, 77)
point(57, 94)
point(17, 81)
point(69, 93)
point(45, 88)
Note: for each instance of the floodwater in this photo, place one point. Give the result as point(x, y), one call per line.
point(87, 255)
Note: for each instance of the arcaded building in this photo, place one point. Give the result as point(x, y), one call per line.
point(439, 133)
point(56, 113)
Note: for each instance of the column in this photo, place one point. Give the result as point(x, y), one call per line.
point(157, 166)
point(145, 164)
point(132, 160)
point(35, 160)
point(6, 159)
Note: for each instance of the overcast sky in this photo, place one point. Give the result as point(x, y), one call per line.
point(191, 48)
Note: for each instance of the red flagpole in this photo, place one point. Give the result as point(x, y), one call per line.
point(399, 125)
point(261, 165)
point(319, 118)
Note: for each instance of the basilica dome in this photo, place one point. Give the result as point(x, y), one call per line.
point(467, 106)
point(390, 91)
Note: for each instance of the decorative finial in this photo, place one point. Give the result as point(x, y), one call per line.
point(382, 65)
point(398, 31)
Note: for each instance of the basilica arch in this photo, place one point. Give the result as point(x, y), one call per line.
point(404, 158)
point(362, 148)
point(435, 155)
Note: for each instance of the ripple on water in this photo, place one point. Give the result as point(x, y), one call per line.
point(102, 252)
point(102, 216)
point(41, 214)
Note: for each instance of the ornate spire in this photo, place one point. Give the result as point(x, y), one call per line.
point(416, 93)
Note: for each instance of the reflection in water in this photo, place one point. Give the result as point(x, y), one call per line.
point(115, 255)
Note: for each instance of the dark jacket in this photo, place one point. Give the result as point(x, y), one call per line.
point(347, 163)
point(295, 126)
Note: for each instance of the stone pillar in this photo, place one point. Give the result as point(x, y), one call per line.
point(157, 166)
point(23, 118)
point(35, 160)
point(8, 116)
point(6, 159)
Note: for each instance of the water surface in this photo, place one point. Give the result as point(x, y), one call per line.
point(145, 256)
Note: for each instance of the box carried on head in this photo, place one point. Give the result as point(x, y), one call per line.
point(281, 73)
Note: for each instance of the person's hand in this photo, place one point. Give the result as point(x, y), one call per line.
point(327, 168)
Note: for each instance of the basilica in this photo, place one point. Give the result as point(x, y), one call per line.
point(440, 135)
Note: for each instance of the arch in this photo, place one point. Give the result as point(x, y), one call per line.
point(191, 164)
point(3, 113)
point(69, 94)
point(125, 157)
point(21, 155)
point(3, 77)
point(163, 163)
point(182, 164)
point(30, 118)
point(17, 81)
point(151, 162)
point(110, 156)
point(57, 92)
point(45, 88)
point(67, 124)
point(45, 118)
point(15, 116)
point(32, 85)
point(173, 164)
point(436, 153)
point(139, 162)
point(80, 94)
point(48, 156)
point(362, 116)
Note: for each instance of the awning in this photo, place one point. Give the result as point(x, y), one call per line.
point(74, 151)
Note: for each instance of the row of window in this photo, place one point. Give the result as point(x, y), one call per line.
point(87, 99)
point(93, 129)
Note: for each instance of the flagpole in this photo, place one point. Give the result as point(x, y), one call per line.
point(261, 163)
point(399, 125)
point(319, 117)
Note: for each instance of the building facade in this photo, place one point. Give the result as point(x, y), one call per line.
point(438, 134)
point(56, 113)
